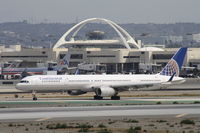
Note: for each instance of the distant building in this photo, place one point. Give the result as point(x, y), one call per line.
point(174, 39)
point(192, 37)
point(196, 37)
point(30, 56)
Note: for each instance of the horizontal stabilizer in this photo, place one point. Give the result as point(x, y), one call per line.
point(171, 78)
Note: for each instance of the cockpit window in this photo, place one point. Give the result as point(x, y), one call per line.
point(24, 81)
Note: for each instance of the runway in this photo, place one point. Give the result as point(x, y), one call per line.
point(70, 113)
point(90, 100)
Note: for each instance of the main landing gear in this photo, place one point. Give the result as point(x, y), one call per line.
point(34, 96)
point(96, 97)
point(115, 97)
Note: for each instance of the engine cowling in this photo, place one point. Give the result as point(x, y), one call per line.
point(76, 92)
point(105, 91)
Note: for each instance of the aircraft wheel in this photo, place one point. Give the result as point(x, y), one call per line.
point(98, 97)
point(34, 98)
point(115, 97)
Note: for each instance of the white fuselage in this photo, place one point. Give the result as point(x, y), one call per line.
point(89, 82)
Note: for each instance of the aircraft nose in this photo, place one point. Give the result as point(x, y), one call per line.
point(18, 86)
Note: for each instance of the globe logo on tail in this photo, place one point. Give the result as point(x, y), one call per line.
point(171, 68)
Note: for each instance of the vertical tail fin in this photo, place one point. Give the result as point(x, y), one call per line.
point(175, 64)
point(65, 60)
point(64, 63)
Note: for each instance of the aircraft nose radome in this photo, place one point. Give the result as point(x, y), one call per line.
point(18, 86)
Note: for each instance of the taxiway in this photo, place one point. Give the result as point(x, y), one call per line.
point(44, 113)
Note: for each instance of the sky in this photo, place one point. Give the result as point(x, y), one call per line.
point(119, 11)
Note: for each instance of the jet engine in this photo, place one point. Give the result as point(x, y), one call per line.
point(105, 91)
point(76, 92)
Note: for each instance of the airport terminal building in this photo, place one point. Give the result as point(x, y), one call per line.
point(149, 59)
point(122, 54)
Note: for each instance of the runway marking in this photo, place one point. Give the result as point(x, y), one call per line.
point(180, 115)
point(42, 119)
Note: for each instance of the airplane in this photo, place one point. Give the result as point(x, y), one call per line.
point(16, 71)
point(13, 68)
point(105, 85)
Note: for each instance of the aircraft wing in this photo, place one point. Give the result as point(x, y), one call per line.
point(126, 87)
point(137, 86)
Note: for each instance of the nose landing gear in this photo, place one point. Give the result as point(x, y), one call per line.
point(34, 96)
